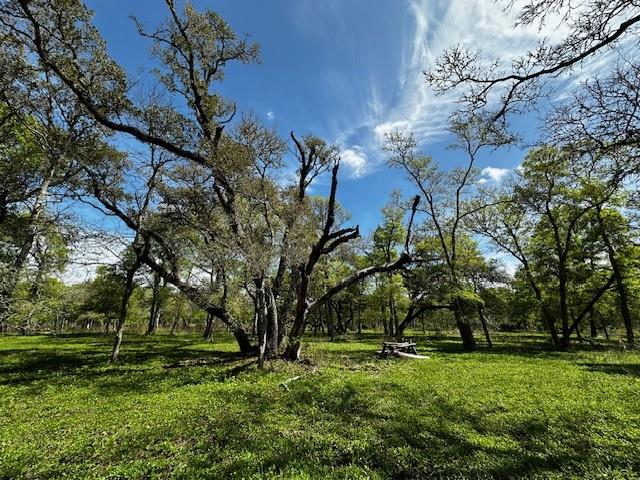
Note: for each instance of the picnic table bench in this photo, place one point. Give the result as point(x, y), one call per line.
point(398, 348)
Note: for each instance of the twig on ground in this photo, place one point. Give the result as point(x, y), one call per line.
point(286, 383)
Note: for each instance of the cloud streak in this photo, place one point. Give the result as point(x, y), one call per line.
point(357, 161)
point(387, 90)
point(435, 26)
point(493, 174)
point(438, 25)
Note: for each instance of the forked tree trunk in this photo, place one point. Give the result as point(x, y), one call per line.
point(550, 325)
point(578, 325)
point(154, 320)
point(545, 315)
point(419, 311)
point(242, 338)
point(176, 320)
point(412, 313)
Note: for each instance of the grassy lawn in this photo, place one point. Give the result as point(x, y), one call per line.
point(517, 411)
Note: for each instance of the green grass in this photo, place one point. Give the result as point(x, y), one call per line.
point(517, 411)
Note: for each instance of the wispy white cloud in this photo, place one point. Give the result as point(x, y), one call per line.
point(493, 174)
point(356, 160)
point(392, 92)
point(271, 116)
point(438, 25)
point(411, 105)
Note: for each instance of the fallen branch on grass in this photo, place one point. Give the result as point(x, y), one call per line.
point(286, 383)
point(398, 353)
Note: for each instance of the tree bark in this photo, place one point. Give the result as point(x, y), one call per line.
point(604, 328)
point(592, 325)
point(124, 308)
point(262, 321)
point(485, 325)
point(272, 342)
point(620, 282)
point(208, 329)
point(564, 312)
point(154, 314)
point(464, 327)
point(8, 287)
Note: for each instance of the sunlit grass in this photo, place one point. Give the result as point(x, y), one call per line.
point(519, 410)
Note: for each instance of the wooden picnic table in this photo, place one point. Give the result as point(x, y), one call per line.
point(393, 348)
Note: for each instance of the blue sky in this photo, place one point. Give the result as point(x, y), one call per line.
point(347, 71)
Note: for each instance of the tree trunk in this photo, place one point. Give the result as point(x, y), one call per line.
point(393, 316)
point(8, 287)
point(564, 311)
point(383, 311)
point(464, 327)
point(262, 320)
point(547, 319)
point(208, 329)
point(154, 319)
point(154, 313)
point(273, 340)
point(485, 325)
point(592, 325)
point(124, 307)
point(244, 342)
point(412, 311)
point(341, 327)
point(176, 320)
point(620, 285)
point(331, 330)
point(294, 344)
point(254, 328)
point(578, 331)
point(604, 328)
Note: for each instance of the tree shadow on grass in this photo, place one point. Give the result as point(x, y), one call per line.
point(139, 369)
point(347, 430)
point(538, 349)
point(319, 427)
point(631, 369)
